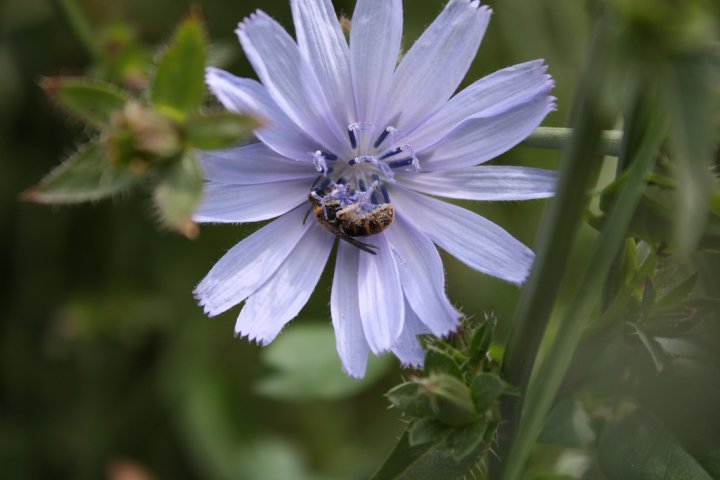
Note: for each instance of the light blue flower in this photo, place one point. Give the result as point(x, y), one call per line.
point(376, 133)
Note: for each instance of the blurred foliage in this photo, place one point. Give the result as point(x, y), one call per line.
point(110, 370)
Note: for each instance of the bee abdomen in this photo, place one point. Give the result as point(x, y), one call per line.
point(370, 224)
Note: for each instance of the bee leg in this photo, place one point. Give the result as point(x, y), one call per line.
point(365, 247)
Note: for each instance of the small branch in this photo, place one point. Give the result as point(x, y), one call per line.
point(79, 25)
point(555, 138)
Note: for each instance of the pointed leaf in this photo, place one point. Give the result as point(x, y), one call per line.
point(219, 130)
point(409, 399)
point(438, 361)
point(425, 462)
point(178, 87)
point(85, 176)
point(178, 193)
point(90, 100)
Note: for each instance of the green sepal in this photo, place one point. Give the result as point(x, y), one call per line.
point(219, 130)
point(464, 442)
point(449, 399)
point(425, 430)
point(178, 87)
point(92, 101)
point(409, 399)
point(441, 361)
point(486, 388)
point(86, 176)
point(178, 194)
point(482, 339)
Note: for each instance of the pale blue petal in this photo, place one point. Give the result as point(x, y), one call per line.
point(323, 45)
point(470, 238)
point(382, 308)
point(223, 203)
point(485, 182)
point(480, 139)
point(408, 348)
point(436, 64)
point(282, 297)
point(252, 164)
point(243, 95)
point(288, 79)
point(490, 95)
point(250, 263)
point(375, 40)
point(422, 277)
point(345, 310)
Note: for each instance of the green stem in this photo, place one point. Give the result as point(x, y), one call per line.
point(543, 389)
point(580, 167)
point(556, 138)
point(78, 23)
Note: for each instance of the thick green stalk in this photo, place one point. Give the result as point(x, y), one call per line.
point(556, 138)
point(542, 391)
point(78, 23)
point(580, 167)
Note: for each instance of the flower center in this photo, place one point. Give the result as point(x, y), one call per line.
point(376, 158)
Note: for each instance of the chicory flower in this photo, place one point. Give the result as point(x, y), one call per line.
point(352, 146)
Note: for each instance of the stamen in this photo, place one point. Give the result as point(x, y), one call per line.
point(373, 199)
point(383, 190)
point(391, 153)
point(353, 138)
point(361, 185)
point(323, 186)
point(329, 156)
point(401, 163)
point(384, 135)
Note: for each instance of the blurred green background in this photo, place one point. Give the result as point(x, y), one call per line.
point(109, 369)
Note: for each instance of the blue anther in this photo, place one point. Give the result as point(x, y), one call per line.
point(342, 181)
point(392, 153)
point(361, 185)
point(383, 190)
point(374, 199)
point(382, 137)
point(353, 162)
point(329, 156)
point(323, 185)
point(353, 138)
point(401, 163)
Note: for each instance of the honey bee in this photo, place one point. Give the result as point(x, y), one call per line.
point(351, 221)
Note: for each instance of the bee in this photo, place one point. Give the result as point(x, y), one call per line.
point(351, 221)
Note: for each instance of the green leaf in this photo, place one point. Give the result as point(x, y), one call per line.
point(219, 130)
point(178, 87)
point(641, 448)
point(569, 425)
point(303, 365)
point(90, 100)
point(425, 462)
point(425, 430)
point(178, 194)
point(85, 176)
point(486, 388)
